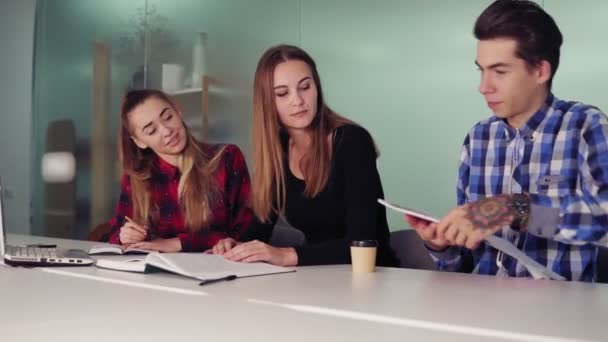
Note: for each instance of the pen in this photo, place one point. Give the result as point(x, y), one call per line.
point(210, 281)
point(150, 235)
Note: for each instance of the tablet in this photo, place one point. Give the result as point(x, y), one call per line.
point(416, 213)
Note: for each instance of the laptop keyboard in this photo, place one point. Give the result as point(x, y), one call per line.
point(35, 252)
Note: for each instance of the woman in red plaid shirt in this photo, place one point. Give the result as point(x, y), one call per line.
point(177, 194)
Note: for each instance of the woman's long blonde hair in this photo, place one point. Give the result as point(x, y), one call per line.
point(268, 190)
point(197, 187)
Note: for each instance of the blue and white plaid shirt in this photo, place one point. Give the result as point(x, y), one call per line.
point(560, 157)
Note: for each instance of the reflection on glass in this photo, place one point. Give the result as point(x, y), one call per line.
point(89, 52)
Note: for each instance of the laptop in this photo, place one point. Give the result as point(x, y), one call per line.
point(37, 256)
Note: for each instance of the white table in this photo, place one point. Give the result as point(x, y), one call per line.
point(315, 303)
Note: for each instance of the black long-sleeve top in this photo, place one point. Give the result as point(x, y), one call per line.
point(345, 210)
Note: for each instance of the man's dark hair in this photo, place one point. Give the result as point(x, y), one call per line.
point(536, 33)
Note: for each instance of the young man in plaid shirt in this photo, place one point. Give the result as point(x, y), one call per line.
point(535, 173)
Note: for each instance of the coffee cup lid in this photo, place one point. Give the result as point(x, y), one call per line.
point(364, 243)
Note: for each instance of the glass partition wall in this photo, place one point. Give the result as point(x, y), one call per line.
point(88, 52)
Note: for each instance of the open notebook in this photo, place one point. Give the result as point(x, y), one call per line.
point(204, 267)
point(107, 249)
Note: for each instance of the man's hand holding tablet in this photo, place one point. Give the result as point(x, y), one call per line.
point(424, 224)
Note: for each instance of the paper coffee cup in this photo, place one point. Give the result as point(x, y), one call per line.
point(363, 255)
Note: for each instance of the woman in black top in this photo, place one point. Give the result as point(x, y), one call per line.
point(311, 164)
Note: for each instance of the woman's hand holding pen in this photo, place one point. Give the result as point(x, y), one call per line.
point(132, 232)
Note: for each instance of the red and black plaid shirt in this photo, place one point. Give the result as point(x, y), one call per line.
point(231, 214)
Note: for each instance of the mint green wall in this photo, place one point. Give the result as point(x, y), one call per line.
point(583, 67)
point(404, 70)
